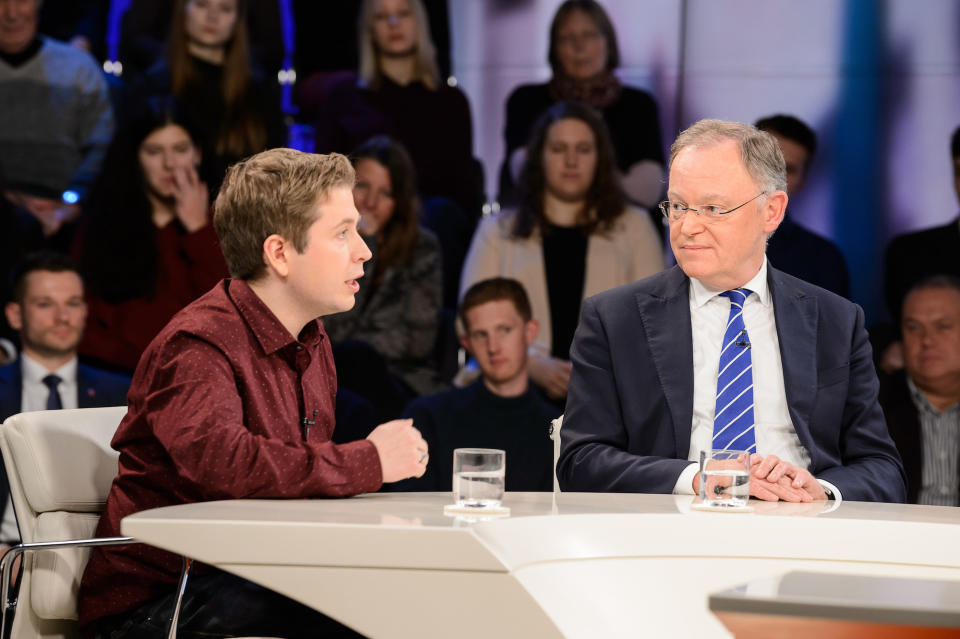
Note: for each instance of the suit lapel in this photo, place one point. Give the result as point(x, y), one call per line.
point(796, 317)
point(86, 392)
point(665, 313)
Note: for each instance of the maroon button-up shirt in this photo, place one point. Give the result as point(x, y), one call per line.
point(216, 411)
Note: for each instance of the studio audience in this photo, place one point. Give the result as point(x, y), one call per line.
point(56, 124)
point(149, 248)
point(208, 70)
point(792, 247)
point(502, 409)
point(571, 236)
point(922, 402)
point(583, 55)
point(384, 343)
point(48, 311)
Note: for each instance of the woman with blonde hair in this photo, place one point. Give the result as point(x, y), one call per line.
point(398, 92)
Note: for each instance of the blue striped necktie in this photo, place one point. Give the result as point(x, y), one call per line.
point(733, 418)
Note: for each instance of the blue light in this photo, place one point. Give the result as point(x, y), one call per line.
point(70, 197)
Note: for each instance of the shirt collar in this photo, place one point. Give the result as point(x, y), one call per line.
point(921, 402)
point(265, 326)
point(701, 293)
point(33, 371)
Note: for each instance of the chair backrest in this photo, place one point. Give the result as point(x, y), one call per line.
point(60, 467)
point(555, 426)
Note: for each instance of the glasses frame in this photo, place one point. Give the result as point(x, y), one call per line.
point(665, 209)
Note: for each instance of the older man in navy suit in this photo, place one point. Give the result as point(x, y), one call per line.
point(49, 312)
point(724, 351)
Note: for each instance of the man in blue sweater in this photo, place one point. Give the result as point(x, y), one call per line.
point(502, 409)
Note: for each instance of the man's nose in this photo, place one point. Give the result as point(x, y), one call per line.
point(690, 223)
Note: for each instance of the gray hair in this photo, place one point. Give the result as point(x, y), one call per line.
point(425, 65)
point(759, 150)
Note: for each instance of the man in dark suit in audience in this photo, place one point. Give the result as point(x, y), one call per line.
point(913, 256)
point(48, 311)
point(725, 351)
point(791, 247)
point(922, 402)
point(500, 410)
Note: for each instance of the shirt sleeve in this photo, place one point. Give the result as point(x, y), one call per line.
point(195, 412)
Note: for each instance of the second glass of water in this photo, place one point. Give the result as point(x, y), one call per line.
point(725, 478)
point(478, 477)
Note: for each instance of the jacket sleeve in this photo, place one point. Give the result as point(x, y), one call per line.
point(870, 468)
point(595, 438)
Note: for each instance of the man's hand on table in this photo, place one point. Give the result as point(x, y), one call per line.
point(773, 479)
point(401, 448)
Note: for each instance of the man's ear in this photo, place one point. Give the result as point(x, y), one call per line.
point(14, 317)
point(276, 253)
point(773, 210)
point(531, 330)
point(466, 344)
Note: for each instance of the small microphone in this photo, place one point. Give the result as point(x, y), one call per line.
point(743, 342)
point(307, 423)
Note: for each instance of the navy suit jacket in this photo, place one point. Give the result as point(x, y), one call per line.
point(629, 409)
point(95, 388)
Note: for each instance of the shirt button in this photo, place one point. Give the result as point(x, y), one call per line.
point(299, 348)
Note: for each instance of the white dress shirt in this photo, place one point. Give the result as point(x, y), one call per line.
point(773, 427)
point(34, 393)
point(33, 396)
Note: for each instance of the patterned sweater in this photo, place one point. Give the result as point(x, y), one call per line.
point(57, 121)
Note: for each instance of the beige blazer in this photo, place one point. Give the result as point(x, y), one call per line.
point(630, 251)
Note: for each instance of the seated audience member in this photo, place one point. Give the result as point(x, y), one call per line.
point(500, 410)
point(56, 124)
point(583, 54)
point(235, 399)
point(571, 236)
point(922, 403)
point(398, 92)
point(398, 304)
point(208, 70)
point(48, 312)
point(146, 26)
point(149, 248)
point(725, 351)
point(793, 249)
point(912, 256)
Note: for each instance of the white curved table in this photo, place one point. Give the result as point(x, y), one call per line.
point(565, 565)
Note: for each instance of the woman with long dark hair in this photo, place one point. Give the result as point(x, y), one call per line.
point(572, 234)
point(398, 305)
point(149, 248)
point(209, 71)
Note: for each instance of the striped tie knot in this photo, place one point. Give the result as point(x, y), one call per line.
point(733, 417)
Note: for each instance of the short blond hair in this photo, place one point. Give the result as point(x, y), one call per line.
point(273, 192)
point(759, 150)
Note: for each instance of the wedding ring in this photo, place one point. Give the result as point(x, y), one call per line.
point(423, 456)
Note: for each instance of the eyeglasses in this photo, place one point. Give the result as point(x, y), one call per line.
point(674, 211)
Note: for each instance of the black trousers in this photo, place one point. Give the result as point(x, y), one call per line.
point(224, 605)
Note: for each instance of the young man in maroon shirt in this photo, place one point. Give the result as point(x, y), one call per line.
point(235, 399)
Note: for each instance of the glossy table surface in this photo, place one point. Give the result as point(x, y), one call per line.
point(561, 565)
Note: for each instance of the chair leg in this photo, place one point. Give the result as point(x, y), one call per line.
point(181, 587)
point(6, 574)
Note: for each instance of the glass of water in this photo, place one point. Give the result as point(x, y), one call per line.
point(478, 477)
point(725, 478)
